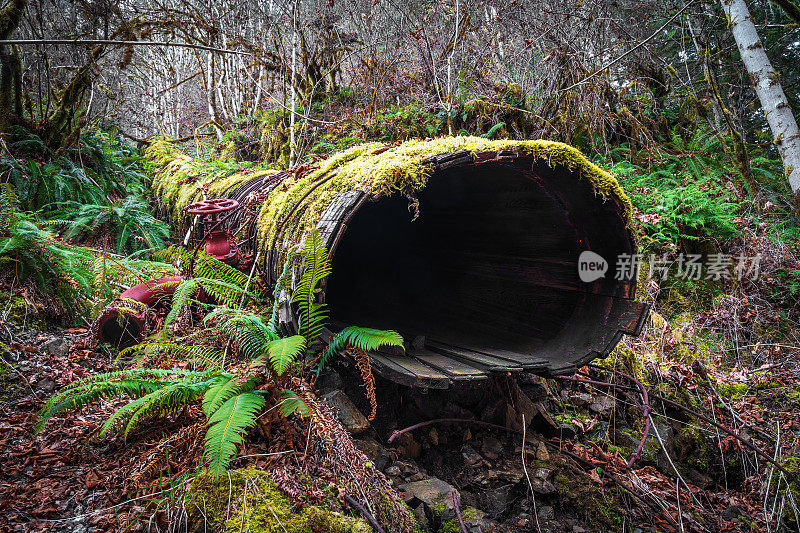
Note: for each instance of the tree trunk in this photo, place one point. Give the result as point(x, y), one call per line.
point(768, 88)
point(10, 65)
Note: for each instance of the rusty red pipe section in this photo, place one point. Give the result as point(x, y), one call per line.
point(122, 322)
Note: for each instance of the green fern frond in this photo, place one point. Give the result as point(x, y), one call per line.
point(227, 427)
point(221, 390)
point(222, 281)
point(147, 351)
point(135, 383)
point(365, 339)
point(316, 266)
point(291, 403)
point(164, 400)
point(248, 330)
point(281, 353)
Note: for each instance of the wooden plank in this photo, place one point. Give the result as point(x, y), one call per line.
point(526, 361)
point(457, 370)
point(407, 371)
point(481, 360)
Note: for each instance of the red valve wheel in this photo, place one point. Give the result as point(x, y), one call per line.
point(211, 207)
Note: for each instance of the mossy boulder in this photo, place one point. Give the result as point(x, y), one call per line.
point(248, 500)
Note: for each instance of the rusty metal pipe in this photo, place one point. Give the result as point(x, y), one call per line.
point(122, 323)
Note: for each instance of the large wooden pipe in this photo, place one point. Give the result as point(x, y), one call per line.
point(486, 279)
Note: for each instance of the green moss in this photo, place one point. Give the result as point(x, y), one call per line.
point(602, 505)
point(627, 360)
point(402, 170)
point(792, 464)
point(733, 391)
point(453, 526)
point(179, 179)
point(14, 309)
point(247, 500)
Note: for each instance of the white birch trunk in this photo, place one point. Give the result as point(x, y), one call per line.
point(294, 92)
point(768, 88)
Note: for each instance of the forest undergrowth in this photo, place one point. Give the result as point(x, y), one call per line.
point(216, 421)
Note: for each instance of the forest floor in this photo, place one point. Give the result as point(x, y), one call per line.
point(578, 443)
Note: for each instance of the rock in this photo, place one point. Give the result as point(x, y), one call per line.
point(540, 481)
point(408, 468)
point(471, 457)
point(433, 435)
point(491, 448)
point(376, 453)
point(541, 452)
point(700, 479)
point(419, 513)
point(545, 512)
point(394, 471)
point(578, 529)
point(55, 346)
point(435, 495)
point(350, 417)
point(536, 417)
point(499, 476)
point(46, 385)
point(329, 380)
point(581, 398)
point(408, 446)
point(603, 405)
point(474, 522)
point(566, 431)
point(534, 387)
point(734, 513)
point(496, 500)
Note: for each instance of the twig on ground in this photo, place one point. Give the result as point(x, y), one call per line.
point(458, 512)
point(366, 514)
point(694, 413)
point(397, 433)
point(525, 469)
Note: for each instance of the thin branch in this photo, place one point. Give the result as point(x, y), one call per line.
point(79, 42)
point(629, 52)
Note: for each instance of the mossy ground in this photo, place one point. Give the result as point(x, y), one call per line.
point(601, 505)
point(248, 500)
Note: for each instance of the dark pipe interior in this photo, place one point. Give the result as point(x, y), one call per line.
point(490, 262)
point(124, 332)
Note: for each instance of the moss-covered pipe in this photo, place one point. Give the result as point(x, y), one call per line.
point(467, 245)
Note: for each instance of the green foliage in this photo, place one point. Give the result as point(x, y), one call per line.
point(283, 352)
point(32, 253)
point(257, 357)
point(364, 339)
point(316, 266)
point(222, 281)
point(494, 129)
point(291, 403)
point(213, 277)
point(128, 219)
point(108, 166)
point(685, 195)
point(203, 354)
point(227, 427)
point(138, 383)
point(248, 330)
